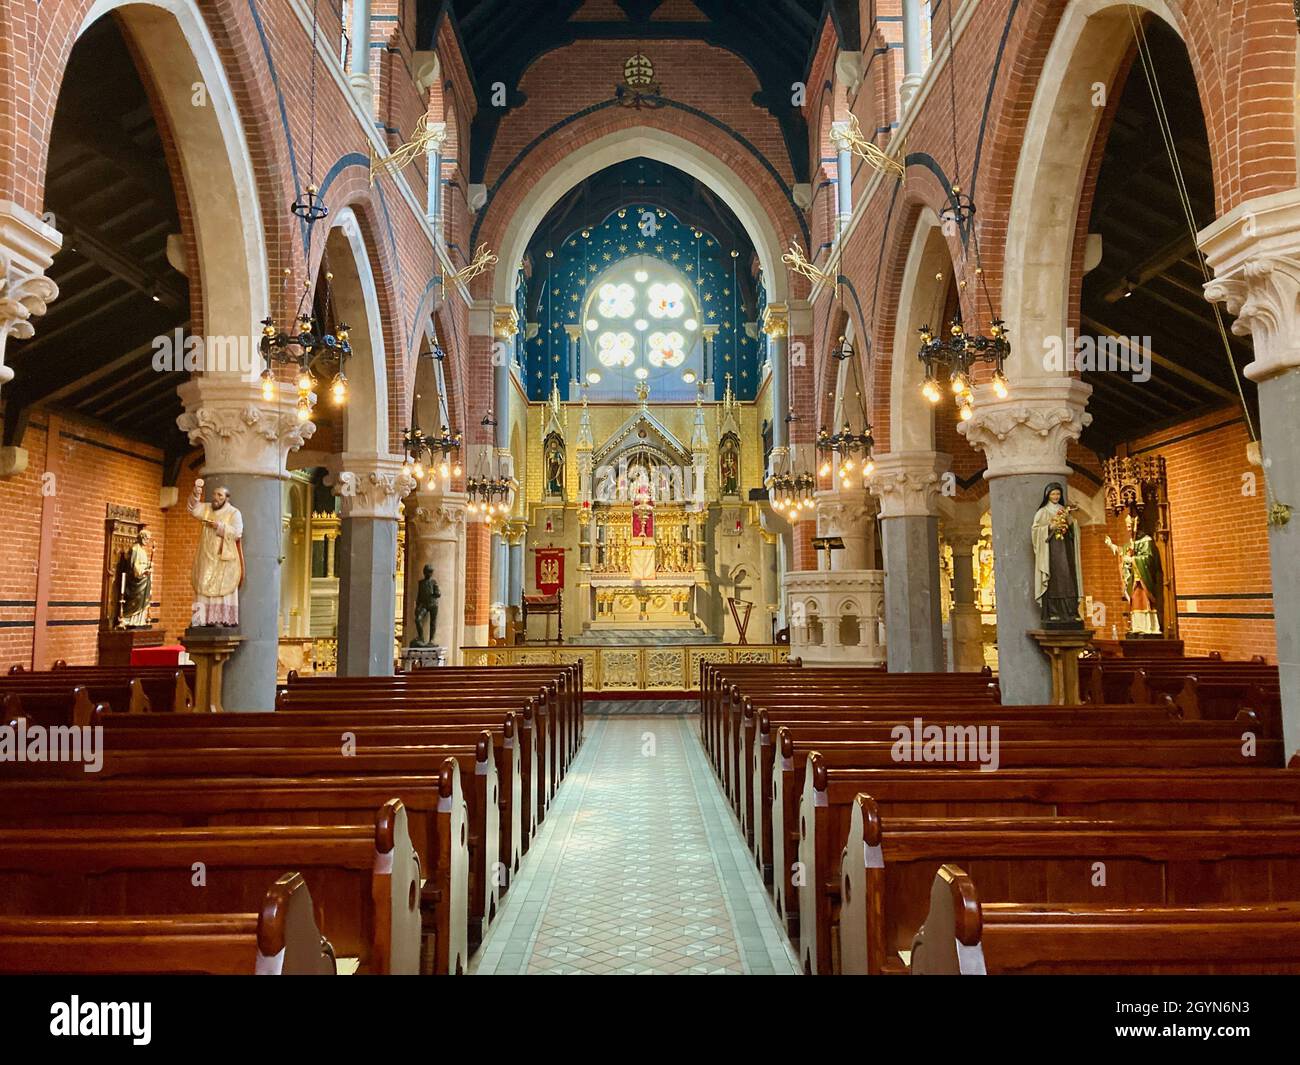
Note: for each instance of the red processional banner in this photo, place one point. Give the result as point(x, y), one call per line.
point(550, 569)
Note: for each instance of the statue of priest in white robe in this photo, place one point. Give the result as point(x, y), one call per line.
point(219, 561)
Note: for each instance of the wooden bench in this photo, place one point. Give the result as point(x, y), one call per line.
point(366, 881)
point(889, 866)
point(962, 937)
point(435, 811)
point(281, 939)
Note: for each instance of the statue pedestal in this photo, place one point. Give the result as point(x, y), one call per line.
point(116, 645)
point(1062, 647)
point(210, 648)
point(423, 658)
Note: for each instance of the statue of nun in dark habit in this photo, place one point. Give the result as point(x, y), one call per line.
point(1058, 569)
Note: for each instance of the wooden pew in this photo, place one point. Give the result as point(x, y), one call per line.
point(962, 937)
point(476, 763)
point(889, 865)
point(426, 709)
point(281, 939)
point(435, 810)
point(126, 689)
point(366, 880)
point(511, 745)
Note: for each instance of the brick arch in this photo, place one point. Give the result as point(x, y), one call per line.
point(353, 195)
point(902, 273)
point(220, 48)
point(1245, 103)
point(618, 133)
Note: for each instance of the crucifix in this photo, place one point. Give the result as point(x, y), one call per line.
point(827, 544)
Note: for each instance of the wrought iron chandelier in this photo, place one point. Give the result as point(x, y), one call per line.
point(425, 452)
point(792, 493)
point(488, 495)
point(852, 449)
point(951, 358)
point(306, 344)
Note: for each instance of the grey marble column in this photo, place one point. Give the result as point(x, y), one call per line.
point(913, 55)
point(1254, 252)
point(436, 538)
point(776, 326)
point(907, 484)
point(372, 487)
point(515, 539)
point(1024, 437)
point(245, 441)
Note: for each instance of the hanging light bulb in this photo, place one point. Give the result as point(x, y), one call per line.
point(269, 388)
point(418, 470)
point(445, 469)
point(868, 469)
point(339, 389)
point(456, 470)
point(1000, 385)
point(848, 465)
point(825, 470)
point(931, 391)
point(305, 380)
point(304, 409)
point(959, 383)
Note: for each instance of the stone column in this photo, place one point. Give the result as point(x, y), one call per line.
point(967, 639)
point(1024, 439)
point(574, 333)
point(505, 327)
point(516, 532)
point(27, 248)
point(776, 326)
point(843, 173)
point(913, 55)
point(363, 85)
point(372, 488)
point(710, 341)
point(1255, 253)
point(433, 156)
point(245, 441)
point(436, 537)
point(907, 485)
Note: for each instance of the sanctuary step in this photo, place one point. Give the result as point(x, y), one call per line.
point(642, 636)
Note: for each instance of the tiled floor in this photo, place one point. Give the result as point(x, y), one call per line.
point(638, 868)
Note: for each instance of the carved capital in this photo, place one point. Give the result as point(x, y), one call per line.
point(439, 516)
point(843, 512)
point(849, 70)
point(1254, 251)
point(505, 321)
point(239, 431)
point(437, 136)
point(908, 483)
point(776, 320)
point(1030, 430)
point(372, 486)
point(840, 136)
point(27, 247)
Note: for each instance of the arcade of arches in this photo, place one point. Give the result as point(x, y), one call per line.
point(593, 397)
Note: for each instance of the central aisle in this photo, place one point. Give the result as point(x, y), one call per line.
point(638, 868)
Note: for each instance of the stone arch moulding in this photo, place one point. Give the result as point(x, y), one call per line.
point(911, 417)
point(174, 45)
point(356, 302)
point(1088, 47)
point(650, 143)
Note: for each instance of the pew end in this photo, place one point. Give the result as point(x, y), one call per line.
point(288, 941)
point(948, 944)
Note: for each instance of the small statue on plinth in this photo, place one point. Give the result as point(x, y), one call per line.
point(219, 562)
point(1057, 563)
point(427, 595)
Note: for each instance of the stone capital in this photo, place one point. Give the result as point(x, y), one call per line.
point(840, 136)
point(908, 483)
point(962, 537)
point(439, 515)
point(844, 511)
point(240, 432)
point(27, 248)
point(1030, 430)
point(372, 486)
point(437, 136)
point(849, 69)
point(1254, 251)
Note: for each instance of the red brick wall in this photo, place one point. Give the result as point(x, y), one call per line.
point(94, 468)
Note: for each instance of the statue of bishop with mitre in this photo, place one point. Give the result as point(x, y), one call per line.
point(219, 561)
